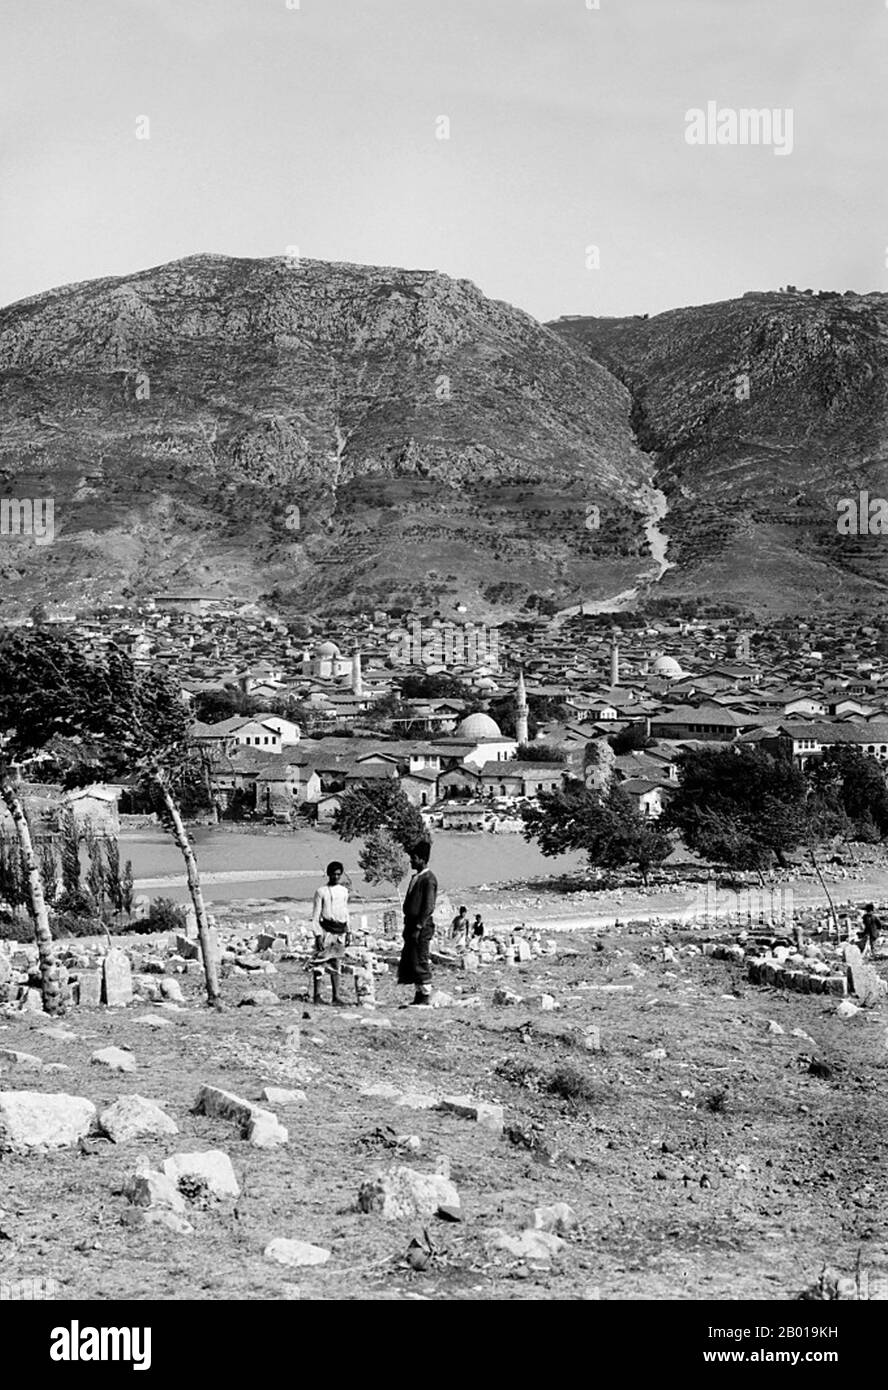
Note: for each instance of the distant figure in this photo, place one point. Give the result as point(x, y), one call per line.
point(459, 927)
point(330, 921)
point(872, 925)
point(414, 967)
point(477, 925)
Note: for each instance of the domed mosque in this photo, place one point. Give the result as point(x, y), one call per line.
point(477, 726)
point(666, 668)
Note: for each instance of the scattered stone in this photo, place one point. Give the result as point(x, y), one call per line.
point(656, 1054)
point(414, 1101)
point(506, 997)
point(187, 948)
point(214, 1168)
point(864, 979)
point(260, 1127)
point(117, 1058)
point(441, 1000)
point(148, 1188)
point(55, 1066)
point(35, 1120)
point(382, 1090)
point(558, 1218)
point(775, 1028)
point(171, 989)
point(89, 988)
point(9, 1057)
point(547, 1002)
point(846, 1009)
point(154, 1021)
point(117, 979)
point(259, 997)
point(375, 1022)
point(130, 1117)
point(277, 1095)
point(489, 1116)
point(531, 1245)
point(403, 1194)
point(59, 1034)
point(295, 1253)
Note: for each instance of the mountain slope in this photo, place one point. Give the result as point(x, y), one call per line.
point(753, 482)
point(327, 435)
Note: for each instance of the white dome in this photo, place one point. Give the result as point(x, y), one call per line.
point(329, 649)
point(668, 667)
point(478, 726)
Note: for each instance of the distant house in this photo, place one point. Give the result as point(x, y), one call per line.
point(519, 779)
point(649, 797)
point(701, 722)
point(94, 807)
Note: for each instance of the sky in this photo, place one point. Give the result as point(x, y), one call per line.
point(317, 124)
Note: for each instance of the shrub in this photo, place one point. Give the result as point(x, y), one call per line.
point(570, 1084)
point(163, 915)
point(64, 924)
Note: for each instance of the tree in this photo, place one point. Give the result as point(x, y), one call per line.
point(372, 806)
point(99, 719)
point(632, 739)
point(848, 784)
point(608, 826)
point(441, 686)
point(740, 806)
point(539, 753)
point(43, 687)
point(382, 858)
point(212, 706)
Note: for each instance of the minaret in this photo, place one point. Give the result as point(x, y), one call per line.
point(357, 682)
point(521, 711)
point(615, 665)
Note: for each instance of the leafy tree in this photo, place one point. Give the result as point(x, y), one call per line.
point(212, 706)
point(850, 784)
point(382, 858)
point(540, 753)
point(608, 826)
point(740, 806)
point(371, 806)
point(100, 719)
point(632, 739)
point(441, 686)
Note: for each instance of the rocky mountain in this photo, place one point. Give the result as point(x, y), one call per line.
point(762, 413)
point(322, 436)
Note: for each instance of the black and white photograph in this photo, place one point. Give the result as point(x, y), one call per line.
point(443, 671)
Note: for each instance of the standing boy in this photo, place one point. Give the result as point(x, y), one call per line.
point(419, 925)
point(330, 922)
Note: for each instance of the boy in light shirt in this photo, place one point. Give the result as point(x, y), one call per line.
point(330, 920)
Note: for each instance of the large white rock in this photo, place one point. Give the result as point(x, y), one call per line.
point(558, 1218)
point(148, 1188)
point(295, 1253)
point(530, 1245)
point(34, 1120)
point(279, 1095)
point(260, 1127)
point(214, 1166)
point(402, 1193)
point(117, 1058)
point(132, 1116)
point(11, 1058)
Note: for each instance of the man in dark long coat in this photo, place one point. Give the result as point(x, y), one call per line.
point(419, 925)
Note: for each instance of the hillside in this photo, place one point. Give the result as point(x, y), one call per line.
point(323, 436)
point(753, 483)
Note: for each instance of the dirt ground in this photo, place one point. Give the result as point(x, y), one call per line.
point(727, 1170)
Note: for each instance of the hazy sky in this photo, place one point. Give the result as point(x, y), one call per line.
point(315, 127)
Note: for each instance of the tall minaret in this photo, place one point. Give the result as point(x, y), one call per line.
point(357, 681)
point(521, 711)
point(615, 665)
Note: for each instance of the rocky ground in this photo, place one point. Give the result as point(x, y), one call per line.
point(667, 1130)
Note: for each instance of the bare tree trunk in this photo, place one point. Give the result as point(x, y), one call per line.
point(180, 835)
point(53, 1001)
point(828, 898)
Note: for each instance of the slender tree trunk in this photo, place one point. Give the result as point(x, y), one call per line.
point(180, 835)
point(828, 898)
point(53, 1001)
